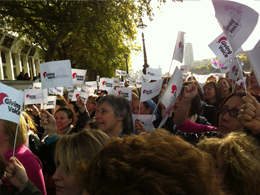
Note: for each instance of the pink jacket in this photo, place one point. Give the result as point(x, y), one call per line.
point(32, 165)
point(191, 127)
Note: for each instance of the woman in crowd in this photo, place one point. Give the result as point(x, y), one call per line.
point(31, 163)
point(91, 105)
point(113, 115)
point(81, 116)
point(156, 163)
point(69, 150)
point(211, 93)
point(237, 161)
point(64, 118)
point(227, 120)
point(26, 77)
point(225, 88)
point(146, 107)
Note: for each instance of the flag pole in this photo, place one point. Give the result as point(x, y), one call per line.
point(15, 137)
point(240, 67)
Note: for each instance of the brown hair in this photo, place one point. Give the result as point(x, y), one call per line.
point(215, 86)
point(74, 147)
point(241, 157)
point(157, 163)
point(10, 128)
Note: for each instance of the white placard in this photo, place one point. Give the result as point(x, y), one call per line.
point(144, 119)
point(125, 92)
point(51, 103)
point(78, 76)
point(150, 90)
point(154, 74)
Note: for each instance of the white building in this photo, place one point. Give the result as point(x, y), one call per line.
point(188, 54)
point(16, 58)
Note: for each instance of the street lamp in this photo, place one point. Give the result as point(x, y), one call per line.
point(126, 56)
point(141, 25)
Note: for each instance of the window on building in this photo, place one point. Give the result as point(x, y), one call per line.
point(22, 60)
point(4, 71)
point(3, 57)
point(15, 74)
point(13, 59)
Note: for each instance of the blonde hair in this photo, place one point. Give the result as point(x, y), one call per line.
point(10, 128)
point(241, 157)
point(78, 146)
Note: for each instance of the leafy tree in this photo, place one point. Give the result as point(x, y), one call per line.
point(93, 34)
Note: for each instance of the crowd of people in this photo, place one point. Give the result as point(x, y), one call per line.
point(209, 144)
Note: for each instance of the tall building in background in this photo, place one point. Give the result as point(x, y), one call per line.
point(188, 54)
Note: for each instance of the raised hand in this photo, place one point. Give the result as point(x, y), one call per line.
point(249, 114)
point(190, 91)
point(16, 174)
point(48, 123)
point(80, 103)
point(139, 127)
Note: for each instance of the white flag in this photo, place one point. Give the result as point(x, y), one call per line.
point(222, 49)
point(84, 93)
point(145, 119)
point(35, 96)
point(241, 82)
point(37, 85)
point(116, 81)
point(139, 83)
point(125, 92)
point(91, 84)
point(154, 74)
point(150, 90)
point(225, 68)
point(234, 70)
point(106, 83)
point(56, 90)
point(70, 96)
point(254, 58)
point(69, 88)
point(11, 103)
point(237, 21)
point(78, 76)
point(173, 88)
point(51, 103)
point(56, 74)
point(179, 47)
point(166, 114)
point(75, 95)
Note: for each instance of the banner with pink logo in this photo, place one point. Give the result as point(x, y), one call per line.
point(179, 47)
point(234, 72)
point(120, 72)
point(87, 90)
point(186, 75)
point(173, 88)
point(35, 96)
point(217, 75)
point(70, 96)
point(37, 85)
point(237, 21)
point(254, 58)
point(116, 81)
point(125, 92)
point(106, 83)
point(69, 88)
point(78, 76)
point(75, 95)
point(145, 120)
point(241, 82)
point(11, 103)
point(222, 49)
point(150, 90)
point(91, 84)
point(138, 83)
point(154, 74)
point(56, 74)
point(51, 103)
point(56, 90)
point(225, 68)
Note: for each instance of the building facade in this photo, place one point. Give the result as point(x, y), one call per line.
point(16, 57)
point(188, 54)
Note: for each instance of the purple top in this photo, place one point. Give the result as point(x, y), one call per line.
point(191, 127)
point(32, 165)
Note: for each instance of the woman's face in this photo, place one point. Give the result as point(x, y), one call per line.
point(209, 92)
point(228, 123)
point(107, 120)
point(91, 106)
point(223, 85)
point(66, 183)
point(62, 120)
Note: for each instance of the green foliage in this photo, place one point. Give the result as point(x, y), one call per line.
point(95, 35)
